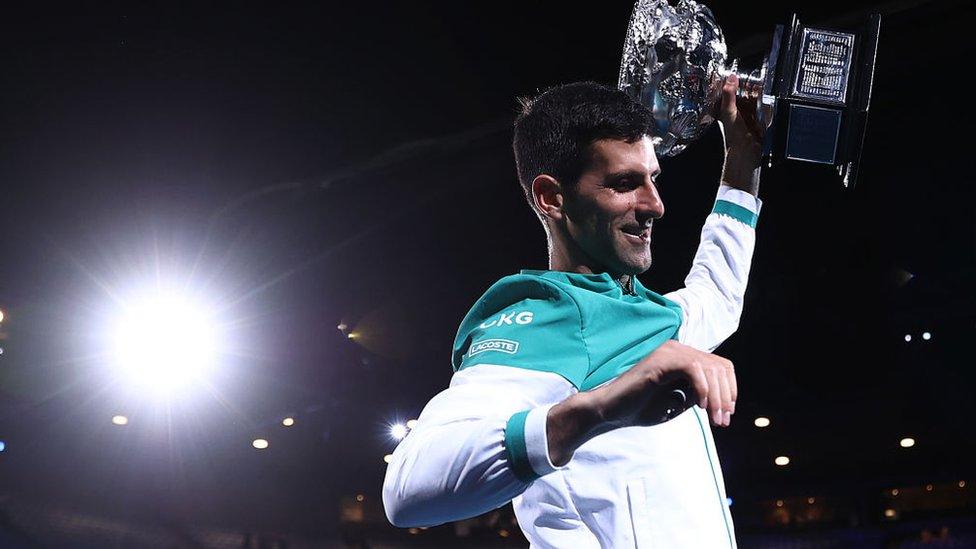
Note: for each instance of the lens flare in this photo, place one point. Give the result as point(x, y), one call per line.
point(165, 342)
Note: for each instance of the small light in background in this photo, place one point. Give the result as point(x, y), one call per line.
point(928, 487)
point(503, 533)
point(894, 492)
point(782, 461)
point(926, 336)
point(898, 277)
point(907, 442)
point(414, 530)
point(342, 327)
point(360, 497)
point(3, 445)
point(288, 421)
point(761, 422)
point(260, 443)
point(388, 458)
point(779, 503)
point(398, 431)
point(728, 502)
point(1, 315)
point(962, 483)
point(120, 420)
point(351, 335)
point(889, 513)
point(411, 423)
point(908, 337)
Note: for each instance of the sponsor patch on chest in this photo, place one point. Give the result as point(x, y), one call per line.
point(501, 345)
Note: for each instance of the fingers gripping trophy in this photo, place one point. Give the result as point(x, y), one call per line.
point(809, 98)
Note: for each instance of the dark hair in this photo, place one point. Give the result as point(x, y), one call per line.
point(554, 131)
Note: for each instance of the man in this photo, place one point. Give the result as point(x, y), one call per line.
point(564, 377)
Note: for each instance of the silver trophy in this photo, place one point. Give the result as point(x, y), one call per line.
point(812, 89)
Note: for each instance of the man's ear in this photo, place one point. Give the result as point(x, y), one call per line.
point(547, 194)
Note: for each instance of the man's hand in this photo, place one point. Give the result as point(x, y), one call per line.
point(640, 396)
point(743, 139)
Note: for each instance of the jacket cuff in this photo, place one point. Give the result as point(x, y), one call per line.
point(738, 205)
point(527, 444)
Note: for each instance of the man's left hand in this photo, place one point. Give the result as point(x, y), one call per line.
point(743, 139)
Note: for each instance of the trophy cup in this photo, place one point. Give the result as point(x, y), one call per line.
point(812, 90)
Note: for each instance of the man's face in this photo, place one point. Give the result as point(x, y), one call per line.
point(609, 214)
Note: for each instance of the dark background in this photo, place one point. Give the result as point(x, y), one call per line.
point(302, 168)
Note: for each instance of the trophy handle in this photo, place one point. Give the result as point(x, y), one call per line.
point(751, 84)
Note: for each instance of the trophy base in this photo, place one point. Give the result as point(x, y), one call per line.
point(819, 93)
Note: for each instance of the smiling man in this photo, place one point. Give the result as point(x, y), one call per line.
point(562, 399)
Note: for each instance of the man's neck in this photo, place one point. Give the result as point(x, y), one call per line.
point(569, 258)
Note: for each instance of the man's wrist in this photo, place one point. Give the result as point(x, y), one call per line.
point(742, 168)
point(744, 179)
point(571, 423)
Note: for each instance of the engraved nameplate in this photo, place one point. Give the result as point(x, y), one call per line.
point(824, 65)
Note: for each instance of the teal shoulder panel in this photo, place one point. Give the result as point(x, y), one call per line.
point(671, 306)
point(621, 332)
point(524, 321)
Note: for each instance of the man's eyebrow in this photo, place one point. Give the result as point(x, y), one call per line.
point(633, 174)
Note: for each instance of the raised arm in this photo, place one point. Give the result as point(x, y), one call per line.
point(711, 301)
point(712, 298)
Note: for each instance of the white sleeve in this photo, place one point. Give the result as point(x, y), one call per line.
point(711, 301)
point(476, 445)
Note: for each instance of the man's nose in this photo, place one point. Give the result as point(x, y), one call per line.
point(649, 203)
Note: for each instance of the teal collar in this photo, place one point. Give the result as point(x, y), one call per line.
point(601, 282)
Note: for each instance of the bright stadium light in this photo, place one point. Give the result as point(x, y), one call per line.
point(120, 420)
point(164, 342)
point(782, 461)
point(260, 443)
point(398, 431)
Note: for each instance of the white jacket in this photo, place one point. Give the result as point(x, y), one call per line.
point(642, 487)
